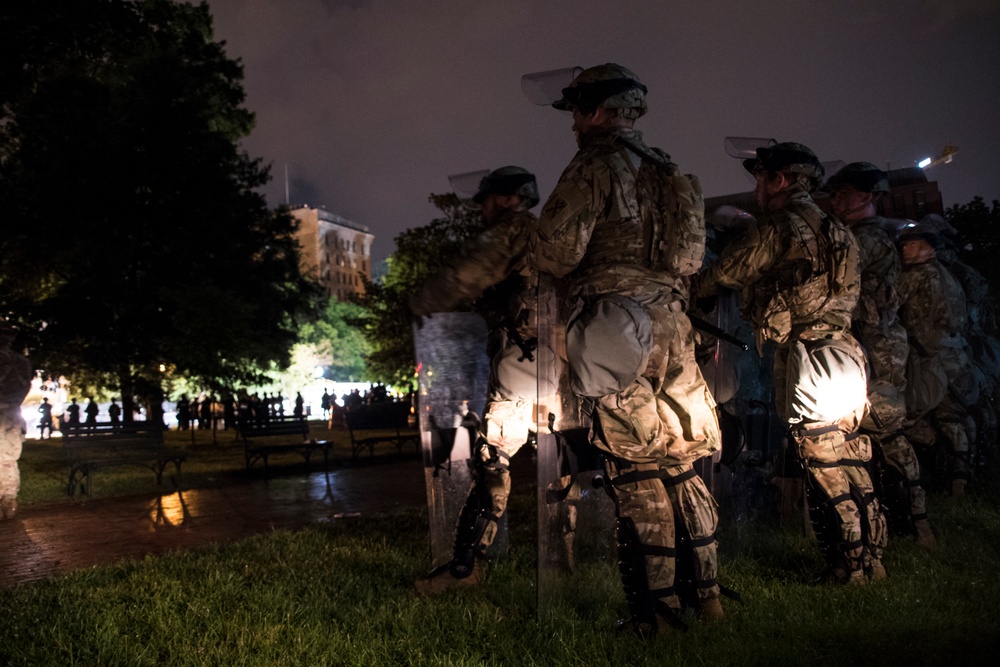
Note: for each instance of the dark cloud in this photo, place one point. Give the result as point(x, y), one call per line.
point(372, 104)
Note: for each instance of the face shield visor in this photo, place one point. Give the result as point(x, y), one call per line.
point(546, 88)
point(466, 187)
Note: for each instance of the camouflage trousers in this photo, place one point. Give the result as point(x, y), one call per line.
point(658, 499)
point(898, 452)
point(832, 451)
point(508, 421)
point(11, 440)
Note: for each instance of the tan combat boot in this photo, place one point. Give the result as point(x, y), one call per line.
point(711, 610)
point(924, 537)
point(876, 571)
point(443, 580)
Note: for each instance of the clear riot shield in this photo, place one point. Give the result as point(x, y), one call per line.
point(576, 544)
point(453, 371)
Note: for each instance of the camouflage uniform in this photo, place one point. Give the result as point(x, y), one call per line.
point(875, 323)
point(594, 230)
point(493, 272)
point(933, 311)
point(15, 381)
point(777, 264)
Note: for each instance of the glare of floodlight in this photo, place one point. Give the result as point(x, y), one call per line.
point(924, 163)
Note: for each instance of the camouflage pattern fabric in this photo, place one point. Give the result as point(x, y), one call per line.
point(492, 273)
point(933, 311)
point(696, 509)
point(594, 230)
point(776, 264)
point(779, 265)
point(875, 323)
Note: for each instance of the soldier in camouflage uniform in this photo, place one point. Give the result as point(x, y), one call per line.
point(624, 228)
point(933, 311)
point(854, 193)
point(797, 269)
point(15, 381)
point(492, 272)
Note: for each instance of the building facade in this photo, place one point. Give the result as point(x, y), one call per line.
point(335, 251)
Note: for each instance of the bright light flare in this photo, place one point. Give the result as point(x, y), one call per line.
point(924, 163)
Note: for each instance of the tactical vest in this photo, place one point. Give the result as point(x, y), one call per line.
point(817, 292)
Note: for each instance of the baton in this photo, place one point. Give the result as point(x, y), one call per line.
point(721, 334)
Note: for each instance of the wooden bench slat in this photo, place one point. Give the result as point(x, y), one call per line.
point(105, 445)
point(252, 431)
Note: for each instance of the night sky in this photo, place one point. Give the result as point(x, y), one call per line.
point(372, 104)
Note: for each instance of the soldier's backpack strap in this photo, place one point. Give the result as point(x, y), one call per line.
point(678, 245)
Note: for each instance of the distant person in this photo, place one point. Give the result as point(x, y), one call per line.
point(299, 405)
point(325, 404)
point(115, 414)
point(45, 423)
point(183, 413)
point(73, 414)
point(205, 413)
point(91, 411)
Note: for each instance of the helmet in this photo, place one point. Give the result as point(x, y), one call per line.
point(862, 176)
point(608, 86)
point(507, 181)
point(786, 156)
point(921, 230)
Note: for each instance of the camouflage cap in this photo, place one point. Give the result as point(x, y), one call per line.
point(786, 156)
point(608, 86)
point(863, 176)
point(507, 181)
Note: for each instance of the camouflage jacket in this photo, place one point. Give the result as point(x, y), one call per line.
point(491, 274)
point(783, 269)
point(880, 266)
point(596, 227)
point(932, 308)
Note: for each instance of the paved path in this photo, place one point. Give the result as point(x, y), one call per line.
point(47, 540)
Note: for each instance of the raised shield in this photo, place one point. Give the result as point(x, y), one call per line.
point(575, 514)
point(453, 372)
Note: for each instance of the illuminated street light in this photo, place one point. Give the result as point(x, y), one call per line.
point(923, 164)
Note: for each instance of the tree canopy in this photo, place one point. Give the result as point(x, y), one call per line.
point(419, 253)
point(135, 244)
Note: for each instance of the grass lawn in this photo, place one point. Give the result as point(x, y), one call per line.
point(340, 593)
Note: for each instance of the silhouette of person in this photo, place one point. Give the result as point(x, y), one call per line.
point(45, 423)
point(114, 413)
point(73, 410)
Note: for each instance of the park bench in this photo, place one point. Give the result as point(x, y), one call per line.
point(279, 435)
point(105, 445)
point(376, 423)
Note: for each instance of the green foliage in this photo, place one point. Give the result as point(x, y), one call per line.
point(979, 224)
point(337, 342)
point(420, 252)
point(134, 237)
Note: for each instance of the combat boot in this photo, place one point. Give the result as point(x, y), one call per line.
point(8, 507)
point(443, 580)
point(924, 537)
point(711, 610)
point(958, 488)
point(876, 571)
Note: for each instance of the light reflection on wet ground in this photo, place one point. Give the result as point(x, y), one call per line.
point(53, 539)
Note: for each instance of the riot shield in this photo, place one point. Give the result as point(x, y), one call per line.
point(576, 545)
point(453, 372)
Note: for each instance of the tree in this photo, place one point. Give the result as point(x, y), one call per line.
point(419, 253)
point(135, 244)
point(979, 224)
point(334, 342)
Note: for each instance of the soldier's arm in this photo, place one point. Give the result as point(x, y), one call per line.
point(566, 222)
point(744, 260)
point(484, 262)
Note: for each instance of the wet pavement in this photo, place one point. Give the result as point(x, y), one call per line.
point(53, 539)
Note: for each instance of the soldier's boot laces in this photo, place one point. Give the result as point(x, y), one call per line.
point(443, 580)
point(711, 610)
point(924, 537)
point(8, 507)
